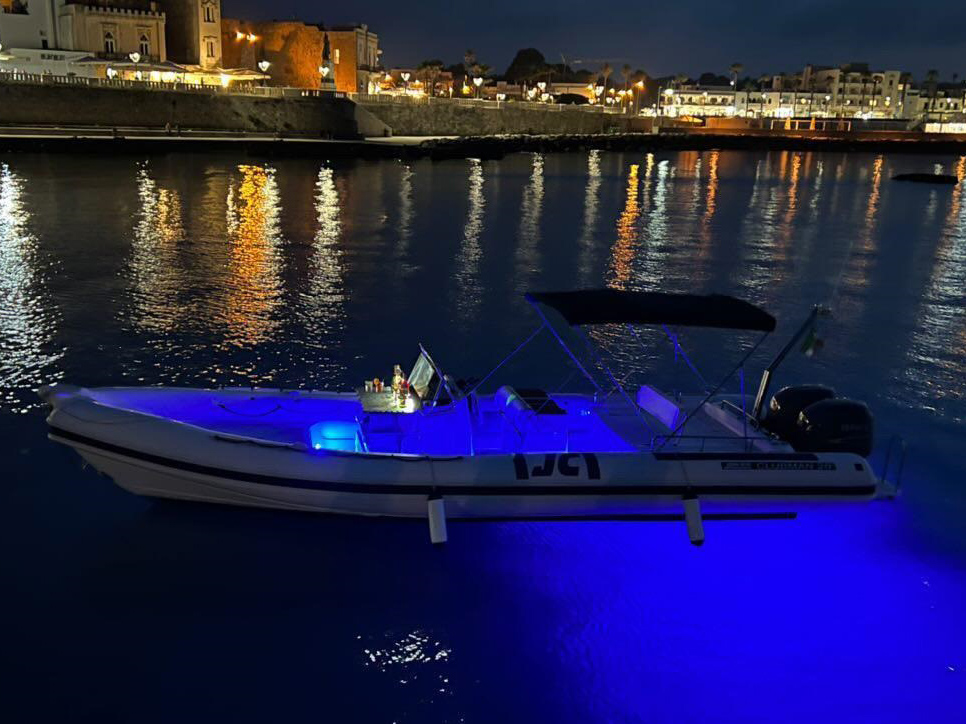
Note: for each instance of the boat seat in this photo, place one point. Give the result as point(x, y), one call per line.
point(655, 403)
point(539, 401)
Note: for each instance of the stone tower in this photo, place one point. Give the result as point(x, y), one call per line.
point(193, 31)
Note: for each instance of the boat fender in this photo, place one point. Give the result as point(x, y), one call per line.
point(436, 512)
point(692, 516)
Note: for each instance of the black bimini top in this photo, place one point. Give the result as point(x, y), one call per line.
point(616, 306)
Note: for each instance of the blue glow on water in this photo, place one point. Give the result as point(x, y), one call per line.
point(197, 271)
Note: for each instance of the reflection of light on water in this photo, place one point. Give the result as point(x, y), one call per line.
point(657, 238)
point(26, 317)
point(531, 208)
point(712, 195)
point(324, 296)
point(468, 283)
point(856, 268)
point(710, 204)
point(406, 213)
point(156, 273)
point(763, 231)
point(253, 284)
point(623, 253)
point(938, 347)
point(415, 655)
point(591, 202)
point(817, 190)
point(792, 202)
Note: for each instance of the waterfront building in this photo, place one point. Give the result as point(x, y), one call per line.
point(847, 91)
point(355, 58)
point(294, 51)
point(105, 29)
point(850, 92)
point(193, 32)
point(697, 101)
point(127, 39)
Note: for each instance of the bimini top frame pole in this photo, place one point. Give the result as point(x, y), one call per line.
point(617, 306)
point(807, 325)
point(573, 357)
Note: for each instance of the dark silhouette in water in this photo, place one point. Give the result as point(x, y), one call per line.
point(927, 178)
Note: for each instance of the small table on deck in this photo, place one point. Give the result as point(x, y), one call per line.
point(377, 401)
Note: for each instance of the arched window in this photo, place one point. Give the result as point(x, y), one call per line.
point(110, 46)
point(144, 45)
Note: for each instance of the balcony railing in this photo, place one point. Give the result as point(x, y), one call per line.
point(126, 57)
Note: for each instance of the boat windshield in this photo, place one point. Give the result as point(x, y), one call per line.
point(430, 383)
point(422, 375)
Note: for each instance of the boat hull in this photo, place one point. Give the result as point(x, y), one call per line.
point(504, 486)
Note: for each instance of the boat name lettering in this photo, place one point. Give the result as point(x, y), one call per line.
point(567, 464)
point(777, 466)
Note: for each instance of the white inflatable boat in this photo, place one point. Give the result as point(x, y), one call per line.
point(446, 450)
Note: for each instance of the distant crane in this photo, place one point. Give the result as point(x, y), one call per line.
point(591, 61)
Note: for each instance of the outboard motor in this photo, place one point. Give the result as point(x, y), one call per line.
point(788, 403)
point(834, 426)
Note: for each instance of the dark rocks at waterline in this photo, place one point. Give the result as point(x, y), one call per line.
point(495, 147)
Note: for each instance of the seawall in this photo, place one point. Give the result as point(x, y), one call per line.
point(82, 105)
point(453, 119)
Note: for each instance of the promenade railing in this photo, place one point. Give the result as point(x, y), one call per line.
point(423, 100)
point(178, 86)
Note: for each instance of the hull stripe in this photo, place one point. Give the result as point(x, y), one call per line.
point(844, 491)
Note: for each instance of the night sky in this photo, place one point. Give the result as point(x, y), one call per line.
point(689, 36)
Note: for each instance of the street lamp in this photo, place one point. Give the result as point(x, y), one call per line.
point(478, 81)
point(405, 78)
point(135, 58)
point(263, 65)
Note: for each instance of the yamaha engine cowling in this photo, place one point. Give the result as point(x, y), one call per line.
point(787, 404)
point(834, 425)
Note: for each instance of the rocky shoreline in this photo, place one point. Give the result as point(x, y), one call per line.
point(483, 147)
point(498, 146)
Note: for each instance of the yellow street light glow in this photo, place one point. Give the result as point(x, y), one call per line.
point(239, 35)
point(225, 80)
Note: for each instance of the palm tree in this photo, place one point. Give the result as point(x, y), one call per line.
point(430, 70)
point(763, 82)
point(932, 76)
point(735, 69)
point(606, 70)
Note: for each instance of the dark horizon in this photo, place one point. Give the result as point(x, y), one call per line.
point(692, 36)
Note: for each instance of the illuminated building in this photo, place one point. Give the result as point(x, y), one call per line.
point(123, 39)
point(295, 52)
